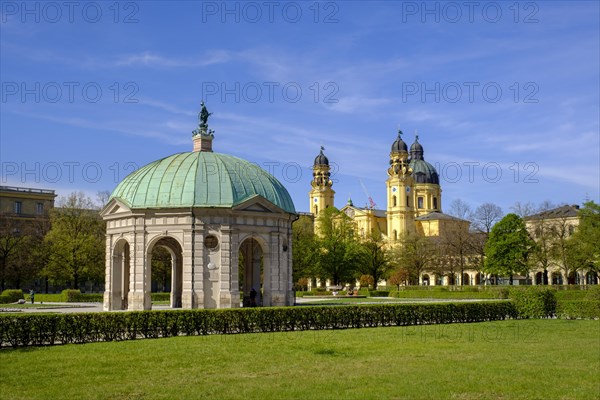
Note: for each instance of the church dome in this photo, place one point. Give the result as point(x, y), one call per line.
point(200, 179)
point(423, 172)
point(399, 144)
point(321, 159)
point(416, 150)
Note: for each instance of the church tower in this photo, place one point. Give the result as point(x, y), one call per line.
point(321, 194)
point(400, 185)
point(427, 193)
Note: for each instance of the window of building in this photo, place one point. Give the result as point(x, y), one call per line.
point(39, 208)
point(407, 202)
point(571, 230)
point(395, 234)
point(316, 210)
point(435, 203)
point(394, 202)
point(420, 202)
point(18, 207)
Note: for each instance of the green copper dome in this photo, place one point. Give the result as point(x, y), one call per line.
point(200, 179)
point(423, 172)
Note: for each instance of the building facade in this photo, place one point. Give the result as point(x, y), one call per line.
point(414, 204)
point(551, 229)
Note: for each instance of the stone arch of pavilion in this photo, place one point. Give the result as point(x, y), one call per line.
point(175, 249)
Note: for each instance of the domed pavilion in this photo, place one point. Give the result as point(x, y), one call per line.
point(226, 223)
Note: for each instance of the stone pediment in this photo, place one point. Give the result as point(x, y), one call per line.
point(258, 204)
point(114, 208)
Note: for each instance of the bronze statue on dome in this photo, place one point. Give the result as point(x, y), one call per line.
point(203, 122)
point(203, 115)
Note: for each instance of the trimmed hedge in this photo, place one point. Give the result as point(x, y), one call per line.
point(160, 296)
point(585, 307)
point(11, 296)
point(379, 293)
point(534, 302)
point(446, 294)
point(75, 296)
point(48, 329)
point(578, 309)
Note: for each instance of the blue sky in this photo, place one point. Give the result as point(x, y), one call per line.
point(504, 96)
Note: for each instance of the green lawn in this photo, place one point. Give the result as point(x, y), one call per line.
point(526, 359)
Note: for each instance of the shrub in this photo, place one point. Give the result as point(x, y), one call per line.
point(578, 309)
point(534, 302)
point(11, 296)
point(75, 296)
point(379, 293)
point(160, 296)
point(47, 329)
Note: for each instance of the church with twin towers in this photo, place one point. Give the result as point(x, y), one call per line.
point(414, 203)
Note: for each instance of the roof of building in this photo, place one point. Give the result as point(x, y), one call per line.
point(27, 190)
point(416, 149)
point(436, 215)
point(321, 159)
point(423, 172)
point(565, 211)
point(399, 144)
point(200, 179)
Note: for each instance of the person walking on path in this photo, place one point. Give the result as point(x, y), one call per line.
point(32, 295)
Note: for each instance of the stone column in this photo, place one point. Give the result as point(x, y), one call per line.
point(107, 305)
point(277, 270)
point(139, 291)
point(192, 294)
point(197, 277)
point(225, 283)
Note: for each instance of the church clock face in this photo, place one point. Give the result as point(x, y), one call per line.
point(408, 189)
point(316, 200)
point(394, 189)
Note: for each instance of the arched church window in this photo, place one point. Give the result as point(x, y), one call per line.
point(316, 210)
point(407, 202)
point(420, 202)
point(395, 234)
point(394, 201)
point(435, 203)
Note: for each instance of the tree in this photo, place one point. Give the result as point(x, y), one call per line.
point(20, 250)
point(102, 198)
point(523, 210)
point(527, 209)
point(339, 254)
point(400, 276)
point(485, 216)
point(583, 246)
point(508, 247)
point(75, 241)
point(541, 251)
point(460, 209)
point(560, 246)
point(414, 255)
point(161, 266)
point(304, 250)
point(374, 257)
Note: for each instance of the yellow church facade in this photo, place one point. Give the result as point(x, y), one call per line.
point(414, 202)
